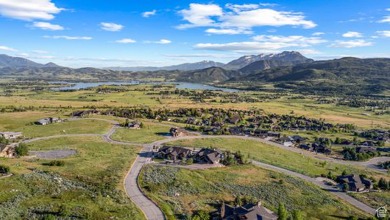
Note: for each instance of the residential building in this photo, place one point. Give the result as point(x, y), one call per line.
point(247, 212)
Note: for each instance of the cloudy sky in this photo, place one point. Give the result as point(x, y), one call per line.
point(156, 33)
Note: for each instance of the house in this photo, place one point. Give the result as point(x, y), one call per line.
point(44, 121)
point(364, 149)
point(235, 131)
point(7, 150)
point(177, 132)
point(273, 134)
point(11, 135)
point(355, 183)
point(286, 141)
point(247, 212)
point(207, 155)
point(305, 147)
point(321, 148)
point(134, 125)
point(174, 153)
point(260, 133)
point(235, 119)
point(50, 120)
point(297, 139)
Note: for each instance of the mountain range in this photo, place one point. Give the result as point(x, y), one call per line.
point(284, 58)
point(286, 70)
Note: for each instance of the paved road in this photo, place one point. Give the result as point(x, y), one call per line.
point(151, 210)
point(322, 185)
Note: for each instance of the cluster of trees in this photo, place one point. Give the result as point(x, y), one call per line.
point(383, 184)
point(284, 215)
point(350, 153)
point(360, 102)
point(234, 158)
point(375, 134)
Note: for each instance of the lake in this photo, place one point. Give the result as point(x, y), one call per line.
point(179, 85)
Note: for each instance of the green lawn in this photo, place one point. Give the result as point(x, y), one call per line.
point(374, 199)
point(22, 121)
point(149, 133)
point(273, 155)
point(180, 192)
point(88, 186)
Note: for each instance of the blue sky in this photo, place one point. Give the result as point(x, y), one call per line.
point(156, 33)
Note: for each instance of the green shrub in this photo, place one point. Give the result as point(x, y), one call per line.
point(4, 169)
point(21, 150)
point(58, 163)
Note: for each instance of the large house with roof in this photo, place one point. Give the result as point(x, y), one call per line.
point(11, 135)
point(207, 155)
point(247, 212)
point(355, 183)
point(46, 121)
point(174, 153)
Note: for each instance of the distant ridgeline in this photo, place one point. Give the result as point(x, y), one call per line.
point(287, 70)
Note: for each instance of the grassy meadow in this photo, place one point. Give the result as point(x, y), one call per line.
point(274, 155)
point(23, 122)
point(181, 192)
point(149, 133)
point(88, 186)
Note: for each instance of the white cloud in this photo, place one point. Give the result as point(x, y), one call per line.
point(69, 37)
point(237, 46)
point(239, 17)
point(126, 41)
point(318, 33)
point(383, 33)
point(147, 14)
point(48, 26)
point(199, 15)
point(29, 9)
point(351, 43)
point(385, 19)
point(269, 43)
point(107, 26)
point(289, 41)
point(162, 41)
point(7, 48)
point(228, 31)
point(352, 34)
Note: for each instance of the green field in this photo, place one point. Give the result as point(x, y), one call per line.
point(273, 155)
point(307, 106)
point(181, 192)
point(149, 133)
point(374, 199)
point(88, 186)
point(22, 121)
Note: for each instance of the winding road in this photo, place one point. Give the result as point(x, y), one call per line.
point(153, 212)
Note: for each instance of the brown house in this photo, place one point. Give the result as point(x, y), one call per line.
point(207, 155)
point(174, 153)
point(246, 212)
point(355, 183)
point(177, 132)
